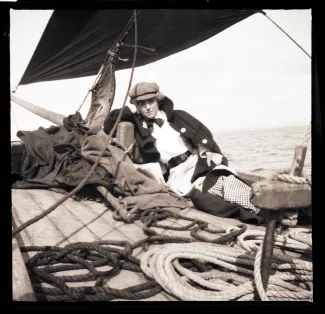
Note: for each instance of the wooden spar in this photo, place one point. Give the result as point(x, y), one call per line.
point(44, 113)
point(114, 202)
point(298, 161)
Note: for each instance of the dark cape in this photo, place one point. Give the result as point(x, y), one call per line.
point(181, 121)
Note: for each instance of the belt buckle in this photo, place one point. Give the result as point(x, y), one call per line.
point(175, 161)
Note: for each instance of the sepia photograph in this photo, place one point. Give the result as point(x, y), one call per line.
point(161, 154)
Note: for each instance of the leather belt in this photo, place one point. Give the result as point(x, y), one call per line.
point(175, 161)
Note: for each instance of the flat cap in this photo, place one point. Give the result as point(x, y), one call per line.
point(144, 90)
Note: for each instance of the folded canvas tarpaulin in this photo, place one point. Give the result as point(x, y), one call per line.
point(75, 42)
point(51, 158)
point(61, 157)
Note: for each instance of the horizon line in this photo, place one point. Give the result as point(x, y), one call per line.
point(260, 128)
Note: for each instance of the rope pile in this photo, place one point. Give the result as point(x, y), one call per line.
point(90, 256)
point(207, 263)
point(86, 256)
point(283, 175)
point(297, 240)
point(151, 217)
point(300, 273)
point(164, 264)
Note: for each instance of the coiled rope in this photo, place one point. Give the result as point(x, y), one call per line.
point(231, 272)
point(283, 175)
point(164, 265)
point(87, 256)
point(300, 272)
point(296, 240)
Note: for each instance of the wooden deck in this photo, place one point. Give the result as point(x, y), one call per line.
point(84, 221)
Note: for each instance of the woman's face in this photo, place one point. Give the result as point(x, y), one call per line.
point(148, 108)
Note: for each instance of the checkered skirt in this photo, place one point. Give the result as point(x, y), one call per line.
point(235, 191)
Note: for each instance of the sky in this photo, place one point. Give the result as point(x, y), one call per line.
point(249, 76)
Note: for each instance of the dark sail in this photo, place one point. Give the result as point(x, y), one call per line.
point(75, 42)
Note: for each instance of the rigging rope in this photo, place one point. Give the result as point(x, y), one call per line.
point(307, 135)
point(144, 49)
point(264, 13)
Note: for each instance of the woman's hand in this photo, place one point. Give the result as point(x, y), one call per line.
point(215, 157)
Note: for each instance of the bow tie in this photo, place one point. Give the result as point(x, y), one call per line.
point(158, 121)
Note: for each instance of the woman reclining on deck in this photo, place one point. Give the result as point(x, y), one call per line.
point(178, 150)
